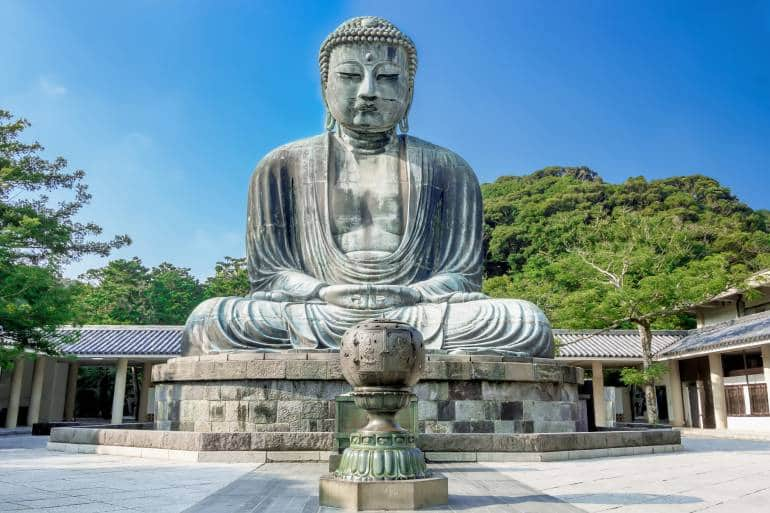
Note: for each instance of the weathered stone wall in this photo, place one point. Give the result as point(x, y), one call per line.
point(496, 407)
point(248, 405)
point(295, 391)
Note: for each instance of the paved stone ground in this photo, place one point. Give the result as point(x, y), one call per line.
point(32, 479)
point(713, 476)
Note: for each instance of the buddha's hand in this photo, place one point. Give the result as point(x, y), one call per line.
point(271, 295)
point(459, 297)
point(369, 297)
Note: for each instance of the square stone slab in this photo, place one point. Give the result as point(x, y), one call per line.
point(383, 495)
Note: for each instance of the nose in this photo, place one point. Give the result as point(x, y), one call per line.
point(367, 90)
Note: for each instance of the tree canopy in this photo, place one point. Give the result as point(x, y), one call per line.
point(542, 228)
point(127, 292)
point(37, 238)
point(230, 278)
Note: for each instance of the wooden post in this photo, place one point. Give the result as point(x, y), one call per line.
point(766, 365)
point(119, 394)
point(36, 397)
point(600, 411)
point(674, 394)
point(718, 390)
point(17, 380)
point(141, 414)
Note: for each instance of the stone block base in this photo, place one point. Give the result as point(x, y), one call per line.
point(288, 446)
point(407, 494)
point(296, 392)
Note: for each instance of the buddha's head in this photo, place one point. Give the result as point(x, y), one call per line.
point(367, 75)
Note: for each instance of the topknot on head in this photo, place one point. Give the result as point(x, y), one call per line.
point(367, 29)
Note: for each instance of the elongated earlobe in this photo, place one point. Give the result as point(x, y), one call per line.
point(403, 125)
point(330, 121)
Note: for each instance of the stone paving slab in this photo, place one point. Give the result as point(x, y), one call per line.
point(33, 479)
point(284, 488)
point(713, 476)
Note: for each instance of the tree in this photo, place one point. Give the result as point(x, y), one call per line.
point(598, 255)
point(38, 237)
point(231, 278)
point(127, 292)
point(172, 294)
point(530, 219)
point(114, 294)
point(639, 269)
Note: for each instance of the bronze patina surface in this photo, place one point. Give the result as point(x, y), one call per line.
point(365, 222)
point(382, 359)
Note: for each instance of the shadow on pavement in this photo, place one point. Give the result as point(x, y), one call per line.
point(462, 502)
point(628, 498)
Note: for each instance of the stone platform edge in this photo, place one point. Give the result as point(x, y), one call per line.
point(262, 447)
point(325, 365)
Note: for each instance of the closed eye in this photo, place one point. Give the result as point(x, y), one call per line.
point(350, 76)
point(387, 76)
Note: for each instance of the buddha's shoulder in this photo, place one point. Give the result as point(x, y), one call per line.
point(294, 150)
point(439, 153)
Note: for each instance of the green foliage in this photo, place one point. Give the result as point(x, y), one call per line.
point(114, 294)
point(173, 293)
point(37, 238)
point(126, 292)
point(8, 357)
point(673, 241)
point(632, 376)
point(230, 278)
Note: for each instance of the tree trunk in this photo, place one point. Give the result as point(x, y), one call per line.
point(651, 401)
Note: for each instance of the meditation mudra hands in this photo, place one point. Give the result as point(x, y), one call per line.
point(369, 297)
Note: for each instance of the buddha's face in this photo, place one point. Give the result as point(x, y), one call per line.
point(367, 88)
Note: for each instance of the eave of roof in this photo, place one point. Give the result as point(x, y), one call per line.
point(113, 341)
point(747, 331)
point(611, 344)
point(123, 340)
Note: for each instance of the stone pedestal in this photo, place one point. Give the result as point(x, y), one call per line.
point(296, 390)
point(408, 494)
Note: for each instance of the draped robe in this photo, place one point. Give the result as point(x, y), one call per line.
point(292, 254)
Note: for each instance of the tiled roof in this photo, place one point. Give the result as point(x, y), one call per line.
point(743, 330)
point(622, 344)
point(124, 340)
point(133, 340)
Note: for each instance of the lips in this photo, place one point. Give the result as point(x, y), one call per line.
point(365, 107)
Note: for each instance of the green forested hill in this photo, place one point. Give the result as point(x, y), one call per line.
point(532, 220)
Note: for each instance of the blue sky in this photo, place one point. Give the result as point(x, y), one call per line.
point(168, 105)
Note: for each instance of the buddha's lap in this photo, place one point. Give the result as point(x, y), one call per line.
point(239, 310)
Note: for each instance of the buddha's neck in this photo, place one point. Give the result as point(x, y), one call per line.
point(367, 142)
